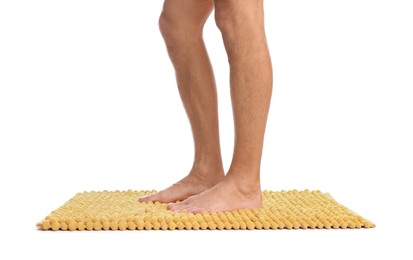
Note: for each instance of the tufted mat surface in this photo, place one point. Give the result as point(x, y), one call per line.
point(119, 210)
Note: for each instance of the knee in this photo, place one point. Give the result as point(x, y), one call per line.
point(232, 18)
point(175, 31)
point(168, 31)
point(224, 18)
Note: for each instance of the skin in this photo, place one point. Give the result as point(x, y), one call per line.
point(206, 188)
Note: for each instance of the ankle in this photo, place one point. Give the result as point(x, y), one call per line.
point(246, 182)
point(208, 169)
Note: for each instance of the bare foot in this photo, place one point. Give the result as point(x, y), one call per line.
point(196, 182)
point(227, 195)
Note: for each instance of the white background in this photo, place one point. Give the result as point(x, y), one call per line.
point(88, 102)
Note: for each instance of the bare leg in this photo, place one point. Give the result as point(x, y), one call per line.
point(242, 25)
point(181, 24)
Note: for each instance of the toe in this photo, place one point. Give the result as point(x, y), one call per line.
point(170, 206)
point(178, 207)
point(196, 210)
point(193, 209)
point(160, 196)
point(145, 198)
point(188, 208)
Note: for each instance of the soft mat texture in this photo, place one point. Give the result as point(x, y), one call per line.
point(119, 210)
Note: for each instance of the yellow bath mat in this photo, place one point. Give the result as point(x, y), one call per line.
point(120, 210)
